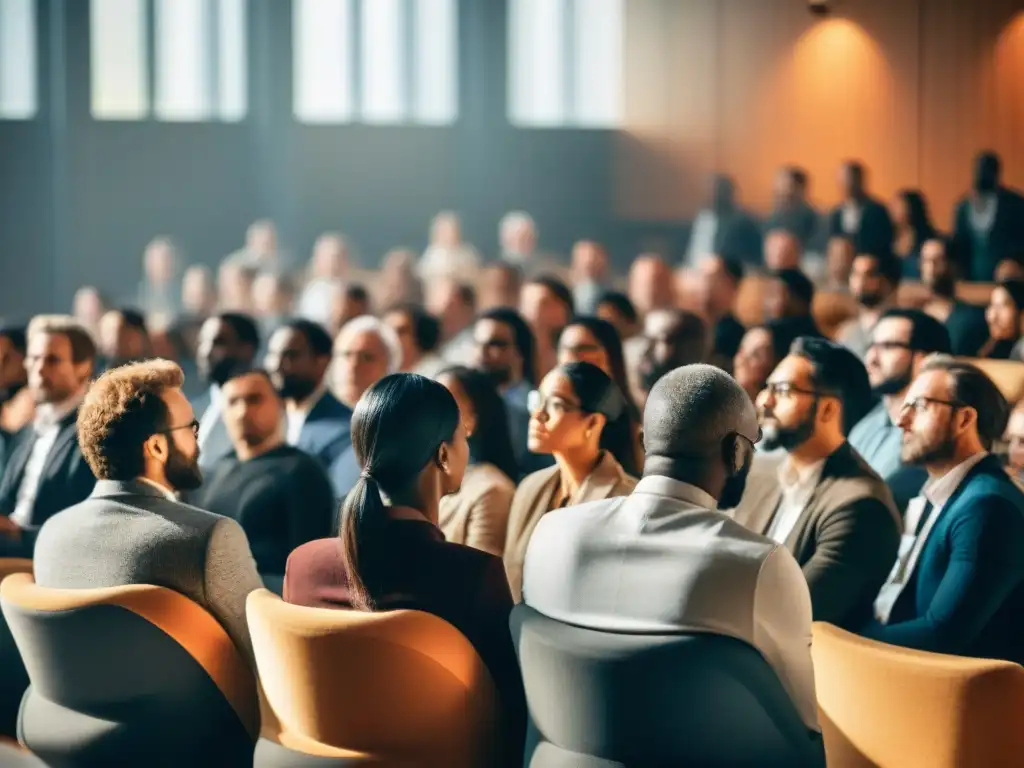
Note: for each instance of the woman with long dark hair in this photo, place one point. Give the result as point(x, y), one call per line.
point(409, 439)
point(477, 514)
point(1005, 318)
point(912, 228)
point(578, 415)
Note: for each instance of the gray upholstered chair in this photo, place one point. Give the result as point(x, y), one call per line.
point(13, 677)
point(605, 700)
point(135, 675)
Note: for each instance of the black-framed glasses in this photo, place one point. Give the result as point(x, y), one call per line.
point(783, 389)
point(552, 406)
point(193, 425)
point(920, 404)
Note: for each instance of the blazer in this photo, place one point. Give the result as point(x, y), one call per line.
point(966, 593)
point(130, 533)
point(477, 515)
point(967, 328)
point(1005, 238)
point(66, 478)
point(325, 432)
point(845, 540)
point(461, 585)
point(533, 500)
point(875, 234)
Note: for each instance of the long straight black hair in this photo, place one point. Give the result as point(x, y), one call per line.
point(397, 428)
point(598, 393)
point(608, 337)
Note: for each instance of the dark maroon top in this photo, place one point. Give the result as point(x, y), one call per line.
point(464, 586)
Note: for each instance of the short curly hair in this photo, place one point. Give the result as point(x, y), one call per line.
point(121, 410)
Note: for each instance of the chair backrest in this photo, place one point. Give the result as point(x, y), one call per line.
point(894, 707)
point(395, 686)
point(134, 675)
point(13, 677)
point(601, 699)
point(1008, 375)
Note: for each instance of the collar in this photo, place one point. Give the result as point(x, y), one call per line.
point(164, 491)
point(940, 489)
point(792, 478)
point(307, 405)
point(51, 414)
point(661, 485)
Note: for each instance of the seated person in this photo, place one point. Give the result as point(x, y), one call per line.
point(674, 338)
point(123, 337)
point(789, 297)
point(298, 356)
point(717, 283)
point(957, 586)
point(1005, 318)
point(579, 416)
point(477, 514)
point(964, 322)
point(901, 342)
point(44, 471)
point(138, 433)
point(762, 348)
point(410, 441)
point(279, 494)
point(874, 279)
point(1014, 439)
point(663, 559)
point(823, 502)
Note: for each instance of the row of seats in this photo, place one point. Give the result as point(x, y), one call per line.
point(139, 675)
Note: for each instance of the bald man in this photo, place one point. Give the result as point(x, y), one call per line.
point(664, 560)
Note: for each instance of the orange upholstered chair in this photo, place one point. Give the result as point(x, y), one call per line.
point(13, 677)
point(886, 707)
point(1008, 375)
point(135, 675)
point(353, 688)
point(832, 309)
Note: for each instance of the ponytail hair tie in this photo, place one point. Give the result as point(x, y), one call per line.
point(365, 475)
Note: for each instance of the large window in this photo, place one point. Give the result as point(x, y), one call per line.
point(198, 59)
point(18, 71)
point(565, 63)
point(375, 61)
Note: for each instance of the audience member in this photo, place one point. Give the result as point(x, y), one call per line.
point(159, 291)
point(234, 287)
point(397, 282)
point(298, 358)
point(988, 221)
point(578, 415)
point(595, 341)
point(419, 334)
point(873, 282)
point(1014, 438)
point(138, 434)
point(447, 255)
point(546, 305)
point(912, 227)
point(349, 301)
point(123, 338)
point(859, 216)
point(365, 352)
point(45, 471)
point(17, 405)
point(838, 264)
point(1011, 268)
point(724, 228)
point(782, 250)
point(966, 324)
point(676, 563)
point(411, 445)
point(900, 344)
point(790, 296)
point(517, 239)
point(650, 284)
point(1004, 316)
point(88, 307)
point(717, 283)
point(272, 298)
point(198, 293)
point(226, 341)
point(823, 502)
point(790, 210)
point(454, 305)
point(477, 514)
point(588, 275)
point(328, 267)
point(762, 348)
point(958, 585)
point(617, 309)
point(280, 495)
point(499, 286)
point(674, 339)
point(260, 251)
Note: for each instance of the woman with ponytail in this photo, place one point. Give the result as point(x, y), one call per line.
point(579, 416)
point(410, 441)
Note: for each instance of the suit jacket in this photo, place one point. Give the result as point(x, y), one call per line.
point(344, 473)
point(1005, 239)
point(477, 515)
point(966, 593)
point(967, 328)
point(217, 443)
point(66, 478)
point(131, 533)
point(845, 540)
point(325, 433)
point(875, 234)
point(533, 500)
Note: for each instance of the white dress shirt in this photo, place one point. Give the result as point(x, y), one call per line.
point(702, 237)
point(664, 560)
point(47, 427)
point(937, 492)
point(850, 216)
point(297, 413)
point(797, 486)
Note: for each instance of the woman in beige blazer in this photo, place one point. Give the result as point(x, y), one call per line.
point(579, 416)
point(477, 515)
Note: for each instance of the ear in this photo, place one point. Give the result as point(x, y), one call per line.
point(965, 418)
point(157, 447)
point(733, 454)
point(441, 458)
point(470, 424)
point(830, 410)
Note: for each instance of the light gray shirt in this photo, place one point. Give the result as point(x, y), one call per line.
point(664, 560)
point(878, 441)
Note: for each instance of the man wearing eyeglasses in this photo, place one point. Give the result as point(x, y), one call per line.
point(823, 502)
point(900, 343)
point(958, 584)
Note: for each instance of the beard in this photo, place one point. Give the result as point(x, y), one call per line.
point(732, 491)
point(943, 285)
point(219, 372)
point(918, 453)
point(869, 299)
point(182, 472)
point(292, 388)
point(893, 384)
point(788, 438)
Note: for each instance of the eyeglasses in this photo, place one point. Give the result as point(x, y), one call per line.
point(887, 345)
point(193, 425)
point(920, 404)
point(784, 389)
point(552, 406)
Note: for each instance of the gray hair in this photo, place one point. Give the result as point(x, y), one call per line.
point(386, 334)
point(692, 409)
point(516, 219)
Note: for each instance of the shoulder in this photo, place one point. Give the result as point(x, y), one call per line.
point(558, 522)
point(989, 489)
point(487, 479)
point(535, 481)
